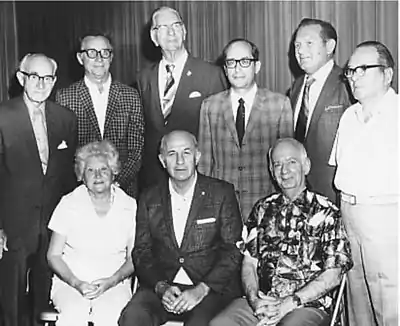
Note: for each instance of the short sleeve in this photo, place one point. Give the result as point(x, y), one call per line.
point(332, 158)
point(59, 221)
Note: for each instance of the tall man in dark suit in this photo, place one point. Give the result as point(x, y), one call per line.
point(172, 90)
point(319, 98)
point(38, 140)
point(238, 126)
point(107, 109)
point(185, 252)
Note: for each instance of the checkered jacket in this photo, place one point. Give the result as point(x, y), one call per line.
point(245, 167)
point(124, 125)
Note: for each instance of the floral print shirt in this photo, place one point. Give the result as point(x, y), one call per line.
point(295, 241)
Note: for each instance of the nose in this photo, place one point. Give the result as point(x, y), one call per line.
point(284, 169)
point(238, 66)
point(180, 159)
point(99, 58)
point(40, 83)
point(97, 173)
point(171, 30)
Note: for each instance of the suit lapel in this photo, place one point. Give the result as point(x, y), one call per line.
point(324, 99)
point(167, 213)
point(87, 105)
point(111, 105)
point(294, 96)
point(227, 112)
point(185, 81)
point(254, 115)
point(154, 94)
point(52, 128)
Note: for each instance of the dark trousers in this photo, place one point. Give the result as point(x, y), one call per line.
point(19, 307)
point(146, 309)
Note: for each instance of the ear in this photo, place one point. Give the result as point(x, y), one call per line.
point(257, 67)
point(161, 159)
point(330, 46)
point(153, 36)
point(79, 57)
point(307, 166)
point(197, 157)
point(184, 32)
point(21, 78)
point(388, 73)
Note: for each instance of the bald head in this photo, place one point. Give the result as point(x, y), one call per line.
point(177, 134)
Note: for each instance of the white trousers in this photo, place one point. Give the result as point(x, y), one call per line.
point(74, 309)
point(372, 282)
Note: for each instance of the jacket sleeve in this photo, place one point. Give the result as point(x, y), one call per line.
point(286, 120)
point(230, 258)
point(205, 142)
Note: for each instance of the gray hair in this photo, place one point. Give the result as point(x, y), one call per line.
point(164, 140)
point(97, 148)
point(25, 60)
point(163, 8)
point(295, 143)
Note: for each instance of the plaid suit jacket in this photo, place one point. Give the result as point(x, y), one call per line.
point(245, 167)
point(124, 125)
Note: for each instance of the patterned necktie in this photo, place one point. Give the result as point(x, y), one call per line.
point(301, 125)
point(39, 128)
point(169, 92)
point(240, 114)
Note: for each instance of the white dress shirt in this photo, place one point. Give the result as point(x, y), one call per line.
point(99, 100)
point(320, 77)
point(248, 99)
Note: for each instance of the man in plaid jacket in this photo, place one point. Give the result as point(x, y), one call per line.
point(239, 125)
point(107, 109)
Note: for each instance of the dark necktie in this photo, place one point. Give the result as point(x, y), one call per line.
point(169, 92)
point(301, 125)
point(240, 121)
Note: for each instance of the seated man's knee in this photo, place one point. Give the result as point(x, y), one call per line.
point(137, 312)
point(305, 317)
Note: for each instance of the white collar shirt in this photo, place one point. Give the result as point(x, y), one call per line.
point(99, 100)
point(248, 99)
point(177, 72)
point(367, 153)
point(320, 77)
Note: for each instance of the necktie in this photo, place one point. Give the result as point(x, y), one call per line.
point(240, 121)
point(39, 128)
point(169, 92)
point(301, 125)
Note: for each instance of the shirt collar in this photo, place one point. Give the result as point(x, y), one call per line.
point(179, 62)
point(247, 98)
point(94, 87)
point(31, 107)
point(189, 192)
point(322, 73)
point(299, 198)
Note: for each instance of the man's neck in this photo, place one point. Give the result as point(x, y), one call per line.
point(35, 104)
point(172, 56)
point(98, 81)
point(293, 194)
point(182, 187)
point(370, 105)
point(243, 91)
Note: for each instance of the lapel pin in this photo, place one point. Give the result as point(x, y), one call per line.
point(203, 193)
point(189, 73)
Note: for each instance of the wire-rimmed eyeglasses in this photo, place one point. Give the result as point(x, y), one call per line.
point(244, 62)
point(93, 53)
point(359, 70)
point(34, 77)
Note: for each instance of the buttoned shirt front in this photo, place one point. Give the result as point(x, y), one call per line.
point(367, 153)
point(248, 99)
point(99, 100)
point(320, 77)
point(294, 241)
point(179, 64)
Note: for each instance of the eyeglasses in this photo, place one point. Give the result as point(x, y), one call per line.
point(93, 53)
point(101, 171)
point(244, 62)
point(165, 28)
point(34, 77)
point(359, 70)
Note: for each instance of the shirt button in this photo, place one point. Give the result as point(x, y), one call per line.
point(181, 260)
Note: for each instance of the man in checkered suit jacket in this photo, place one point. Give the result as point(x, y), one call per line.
point(241, 157)
point(107, 109)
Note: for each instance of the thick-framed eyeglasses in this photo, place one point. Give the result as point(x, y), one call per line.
point(177, 26)
point(93, 53)
point(34, 77)
point(359, 70)
point(244, 62)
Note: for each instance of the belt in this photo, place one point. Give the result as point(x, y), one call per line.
point(353, 200)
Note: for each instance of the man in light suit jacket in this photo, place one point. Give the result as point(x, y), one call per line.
point(38, 139)
point(107, 109)
point(185, 252)
point(239, 125)
point(315, 44)
point(171, 100)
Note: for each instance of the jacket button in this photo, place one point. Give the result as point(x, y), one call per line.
point(181, 260)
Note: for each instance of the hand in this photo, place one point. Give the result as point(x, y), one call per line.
point(3, 243)
point(169, 297)
point(274, 316)
point(265, 306)
point(102, 285)
point(85, 288)
point(190, 298)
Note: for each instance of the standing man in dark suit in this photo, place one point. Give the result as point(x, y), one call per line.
point(38, 140)
point(185, 252)
point(319, 98)
point(172, 90)
point(107, 109)
point(238, 126)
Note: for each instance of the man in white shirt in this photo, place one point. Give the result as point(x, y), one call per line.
point(366, 153)
point(238, 126)
point(319, 98)
point(185, 254)
point(107, 109)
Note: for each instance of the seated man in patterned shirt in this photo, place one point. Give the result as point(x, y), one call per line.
point(296, 250)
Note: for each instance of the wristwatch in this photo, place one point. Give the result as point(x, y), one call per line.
point(296, 299)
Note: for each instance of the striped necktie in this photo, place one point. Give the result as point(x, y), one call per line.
point(302, 119)
point(169, 92)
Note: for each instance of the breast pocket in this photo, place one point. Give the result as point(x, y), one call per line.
point(204, 234)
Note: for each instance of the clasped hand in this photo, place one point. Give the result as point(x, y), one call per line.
point(178, 302)
point(94, 289)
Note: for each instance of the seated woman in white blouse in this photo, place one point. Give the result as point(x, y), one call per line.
point(90, 248)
